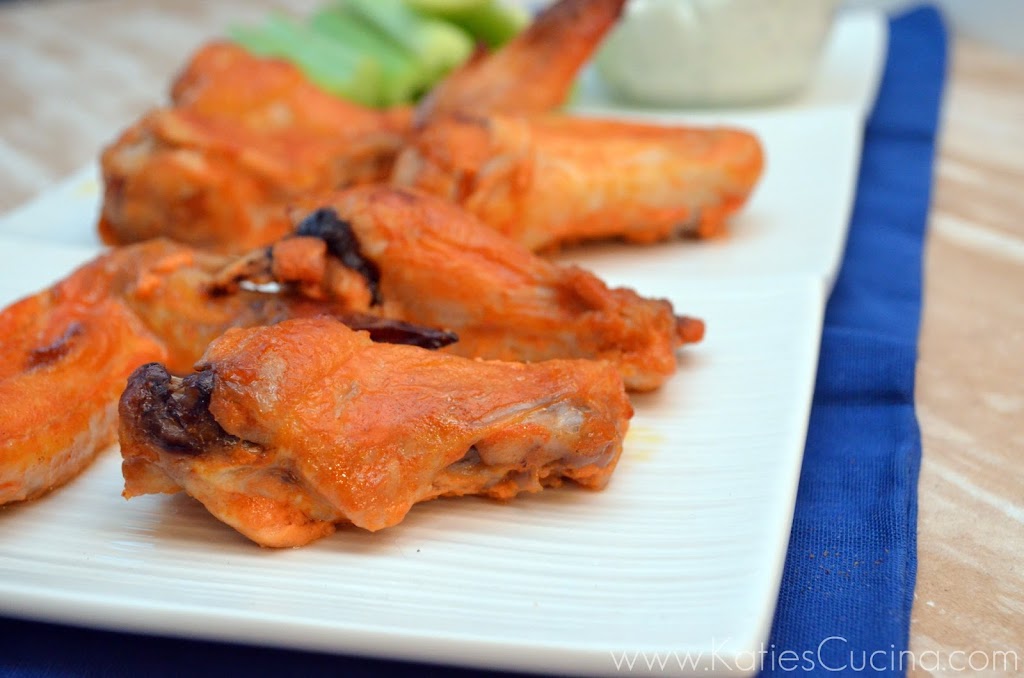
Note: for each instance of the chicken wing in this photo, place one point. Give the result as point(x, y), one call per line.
point(534, 72)
point(283, 443)
point(550, 181)
point(65, 353)
point(245, 136)
point(62, 369)
point(426, 261)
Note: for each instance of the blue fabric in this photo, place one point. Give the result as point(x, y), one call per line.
point(848, 584)
point(849, 575)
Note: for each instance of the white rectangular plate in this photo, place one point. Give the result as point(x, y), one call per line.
point(681, 551)
point(680, 558)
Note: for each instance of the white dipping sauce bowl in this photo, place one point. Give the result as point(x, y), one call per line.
point(714, 52)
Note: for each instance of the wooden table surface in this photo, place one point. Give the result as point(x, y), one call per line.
point(74, 73)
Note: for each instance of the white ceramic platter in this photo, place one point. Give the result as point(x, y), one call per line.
point(682, 550)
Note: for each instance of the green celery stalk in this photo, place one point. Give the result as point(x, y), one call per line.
point(401, 74)
point(488, 21)
point(335, 67)
point(437, 45)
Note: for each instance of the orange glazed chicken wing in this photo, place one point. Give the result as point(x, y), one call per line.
point(531, 74)
point(65, 354)
point(244, 137)
point(425, 261)
point(551, 181)
point(62, 369)
point(287, 431)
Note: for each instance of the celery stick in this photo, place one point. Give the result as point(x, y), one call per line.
point(439, 46)
point(255, 40)
point(443, 7)
point(488, 21)
point(401, 75)
point(338, 69)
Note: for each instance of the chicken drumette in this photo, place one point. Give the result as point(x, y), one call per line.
point(283, 441)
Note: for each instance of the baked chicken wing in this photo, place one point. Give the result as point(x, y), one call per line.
point(62, 369)
point(283, 441)
point(533, 73)
point(245, 135)
point(426, 261)
point(550, 181)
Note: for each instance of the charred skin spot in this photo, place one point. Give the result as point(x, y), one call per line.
point(55, 351)
point(325, 224)
point(174, 412)
point(286, 476)
point(689, 228)
point(388, 331)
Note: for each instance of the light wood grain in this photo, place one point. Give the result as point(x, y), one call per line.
point(75, 72)
point(970, 388)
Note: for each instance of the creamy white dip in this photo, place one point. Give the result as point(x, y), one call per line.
point(714, 52)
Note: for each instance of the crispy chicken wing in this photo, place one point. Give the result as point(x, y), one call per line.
point(549, 181)
point(245, 136)
point(66, 352)
point(283, 443)
point(62, 369)
point(534, 72)
point(426, 261)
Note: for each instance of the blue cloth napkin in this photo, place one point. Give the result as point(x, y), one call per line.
point(848, 584)
point(849, 576)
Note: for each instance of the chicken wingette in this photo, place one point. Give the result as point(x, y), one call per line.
point(426, 261)
point(283, 442)
point(61, 373)
point(244, 137)
point(534, 73)
point(551, 181)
